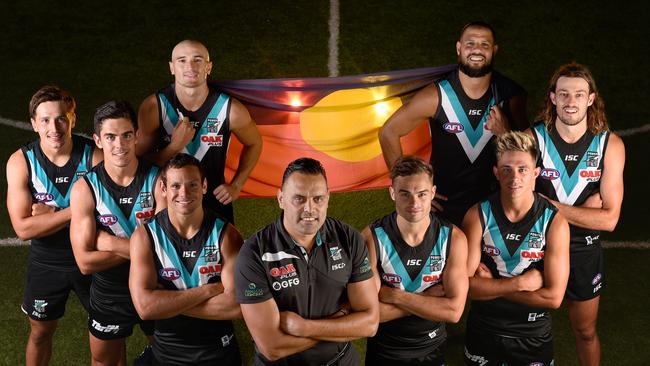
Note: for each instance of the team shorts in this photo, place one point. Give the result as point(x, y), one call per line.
point(47, 290)
point(434, 358)
point(587, 276)
point(116, 320)
point(197, 354)
point(484, 349)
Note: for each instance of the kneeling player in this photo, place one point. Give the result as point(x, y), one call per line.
point(183, 273)
point(420, 272)
point(518, 250)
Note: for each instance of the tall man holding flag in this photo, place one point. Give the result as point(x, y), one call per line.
point(193, 117)
point(465, 110)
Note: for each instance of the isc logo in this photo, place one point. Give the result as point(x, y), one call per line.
point(453, 127)
point(170, 274)
point(511, 236)
point(43, 197)
point(126, 200)
point(107, 220)
point(414, 262)
point(62, 180)
point(571, 157)
point(549, 174)
point(474, 112)
point(189, 254)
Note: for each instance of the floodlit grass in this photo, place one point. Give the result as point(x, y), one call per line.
point(102, 51)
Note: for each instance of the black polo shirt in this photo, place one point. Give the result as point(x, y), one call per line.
point(272, 265)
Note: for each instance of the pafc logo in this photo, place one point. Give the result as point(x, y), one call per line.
point(44, 197)
point(453, 127)
point(212, 138)
point(549, 174)
point(107, 220)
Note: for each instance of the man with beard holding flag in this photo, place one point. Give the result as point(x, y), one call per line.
point(465, 109)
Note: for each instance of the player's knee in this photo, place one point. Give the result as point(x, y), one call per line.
point(585, 333)
point(41, 337)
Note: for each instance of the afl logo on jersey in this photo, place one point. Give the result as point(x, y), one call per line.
point(391, 278)
point(107, 220)
point(170, 273)
point(44, 197)
point(491, 251)
point(453, 127)
point(549, 174)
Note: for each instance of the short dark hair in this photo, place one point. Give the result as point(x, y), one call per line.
point(178, 161)
point(307, 166)
point(478, 24)
point(114, 109)
point(51, 93)
point(410, 165)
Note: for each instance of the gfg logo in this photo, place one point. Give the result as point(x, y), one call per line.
point(277, 286)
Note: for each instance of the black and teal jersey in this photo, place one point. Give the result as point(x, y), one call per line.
point(118, 210)
point(510, 249)
point(462, 151)
point(570, 174)
point(411, 269)
point(51, 185)
point(183, 264)
point(211, 139)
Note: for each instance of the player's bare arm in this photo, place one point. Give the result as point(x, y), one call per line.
point(387, 311)
point(243, 126)
point(611, 193)
point(30, 220)
point(447, 308)
point(223, 305)
point(83, 232)
point(481, 284)
point(422, 106)
point(556, 269)
point(150, 301)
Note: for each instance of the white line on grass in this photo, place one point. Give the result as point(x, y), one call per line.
point(333, 61)
point(15, 242)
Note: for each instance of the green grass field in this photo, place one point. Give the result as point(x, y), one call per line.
point(119, 49)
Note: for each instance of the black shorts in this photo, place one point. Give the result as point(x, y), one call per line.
point(587, 276)
point(107, 323)
point(435, 358)
point(488, 349)
point(225, 353)
point(47, 290)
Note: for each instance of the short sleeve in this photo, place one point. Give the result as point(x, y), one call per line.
point(251, 283)
point(361, 269)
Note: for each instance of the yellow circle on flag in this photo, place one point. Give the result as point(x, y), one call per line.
point(345, 124)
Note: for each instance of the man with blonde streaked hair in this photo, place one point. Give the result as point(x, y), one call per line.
point(582, 174)
point(518, 259)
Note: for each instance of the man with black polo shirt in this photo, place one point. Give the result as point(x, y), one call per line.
point(39, 177)
point(304, 282)
point(421, 272)
point(183, 273)
point(107, 205)
point(465, 109)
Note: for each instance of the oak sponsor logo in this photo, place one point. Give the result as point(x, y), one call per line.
point(279, 285)
point(212, 269)
point(532, 255)
point(286, 271)
point(430, 278)
point(590, 175)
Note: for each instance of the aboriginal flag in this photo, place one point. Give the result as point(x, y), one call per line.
point(333, 120)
